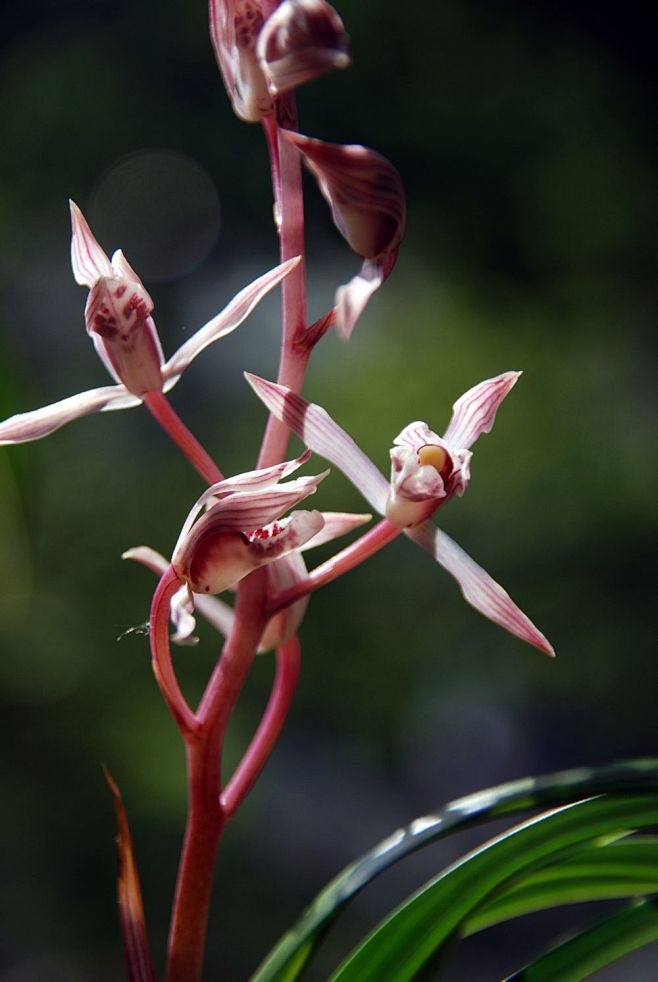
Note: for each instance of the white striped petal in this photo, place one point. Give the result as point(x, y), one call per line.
point(477, 587)
point(42, 422)
point(231, 317)
point(474, 413)
point(88, 260)
point(315, 427)
point(352, 298)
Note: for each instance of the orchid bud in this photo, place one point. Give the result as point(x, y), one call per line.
point(363, 190)
point(300, 41)
point(117, 313)
point(366, 197)
point(234, 29)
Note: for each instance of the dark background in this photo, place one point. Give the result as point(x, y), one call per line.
point(525, 138)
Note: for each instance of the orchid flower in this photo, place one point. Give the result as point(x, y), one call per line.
point(118, 319)
point(282, 574)
point(262, 54)
point(426, 471)
point(366, 197)
point(240, 531)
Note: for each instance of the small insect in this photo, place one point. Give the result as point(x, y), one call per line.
point(140, 629)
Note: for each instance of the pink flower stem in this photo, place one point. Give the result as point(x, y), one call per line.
point(345, 560)
point(289, 216)
point(205, 823)
point(262, 744)
point(163, 668)
point(206, 816)
point(160, 407)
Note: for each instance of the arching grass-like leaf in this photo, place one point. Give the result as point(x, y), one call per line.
point(590, 950)
point(287, 960)
point(417, 930)
point(596, 872)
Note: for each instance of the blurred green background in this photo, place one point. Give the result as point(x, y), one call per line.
point(525, 138)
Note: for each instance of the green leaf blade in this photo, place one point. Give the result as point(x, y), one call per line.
point(416, 931)
point(600, 945)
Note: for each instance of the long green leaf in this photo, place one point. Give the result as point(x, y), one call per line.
point(611, 872)
point(287, 960)
point(596, 947)
point(404, 942)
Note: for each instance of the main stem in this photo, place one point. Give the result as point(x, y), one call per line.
point(289, 211)
point(205, 822)
point(206, 817)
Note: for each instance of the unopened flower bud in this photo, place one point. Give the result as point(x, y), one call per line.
point(234, 29)
point(363, 190)
point(117, 313)
point(366, 197)
point(300, 41)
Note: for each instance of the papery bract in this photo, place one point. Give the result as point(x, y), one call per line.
point(473, 415)
point(125, 336)
point(301, 40)
point(366, 197)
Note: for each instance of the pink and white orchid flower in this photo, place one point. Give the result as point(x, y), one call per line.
point(118, 318)
point(366, 197)
point(447, 456)
point(241, 531)
point(263, 52)
point(426, 469)
point(281, 574)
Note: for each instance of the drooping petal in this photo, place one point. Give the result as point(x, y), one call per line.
point(477, 587)
point(88, 260)
point(218, 614)
point(234, 29)
point(182, 617)
point(352, 298)
point(231, 317)
point(41, 422)
point(281, 575)
point(474, 413)
point(315, 427)
point(301, 40)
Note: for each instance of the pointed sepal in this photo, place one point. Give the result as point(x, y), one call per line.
point(478, 588)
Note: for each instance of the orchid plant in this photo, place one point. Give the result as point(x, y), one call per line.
point(245, 535)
